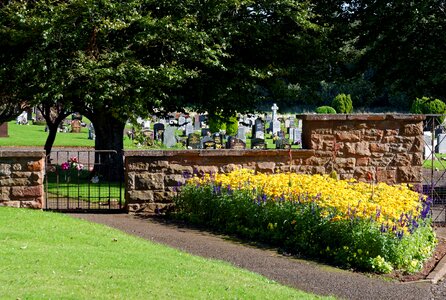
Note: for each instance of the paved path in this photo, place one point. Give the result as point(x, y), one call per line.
point(303, 275)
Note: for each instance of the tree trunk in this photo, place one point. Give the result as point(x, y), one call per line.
point(109, 136)
point(52, 132)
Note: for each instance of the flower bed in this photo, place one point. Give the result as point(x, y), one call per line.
point(372, 227)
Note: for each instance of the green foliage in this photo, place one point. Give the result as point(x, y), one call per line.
point(325, 110)
point(232, 126)
point(306, 229)
point(342, 103)
point(218, 122)
point(428, 105)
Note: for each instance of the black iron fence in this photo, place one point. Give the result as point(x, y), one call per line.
point(434, 166)
point(80, 180)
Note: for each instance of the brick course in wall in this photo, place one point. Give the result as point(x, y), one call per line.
point(21, 178)
point(386, 148)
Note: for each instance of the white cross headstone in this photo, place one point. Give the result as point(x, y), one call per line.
point(274, 109)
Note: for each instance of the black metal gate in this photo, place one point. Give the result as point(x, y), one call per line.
point(434, 167)
point(81, 181)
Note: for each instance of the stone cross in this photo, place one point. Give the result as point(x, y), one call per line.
point(274, 108)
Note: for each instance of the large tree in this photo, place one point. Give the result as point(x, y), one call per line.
point(403, 46)
point(113, 60)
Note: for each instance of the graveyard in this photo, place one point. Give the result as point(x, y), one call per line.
point(176, 131)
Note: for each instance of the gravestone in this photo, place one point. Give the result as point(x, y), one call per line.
point(158, 129)
point(146, 124)
point(292, 122)
point(189, 129)
point(22, 119)
point(275, 123)
point(181, 122)
point(258, 144)
point(441, 143)
point(197, 124)
point(205, 132)
point(287, 123)
point(218, 139)
point(428, 150)
point(208, 143)
point(193, 141)
point(91, 132)
point(76, 126)
point(169, 139)
point(4, 129)
point(259, 129)
point(236, 144)
point(39, 120)
point(241, 133)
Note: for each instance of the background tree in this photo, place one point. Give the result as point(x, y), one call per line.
point(403, 48)
point(113, 61)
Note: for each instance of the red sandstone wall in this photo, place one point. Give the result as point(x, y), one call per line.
point(21, 178)
point(387, 148)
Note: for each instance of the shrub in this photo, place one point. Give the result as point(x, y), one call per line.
point(343, 104)
point(325, 110)
point(232, 126)
point(382, 229)
point(218, 122)
point(428, 105)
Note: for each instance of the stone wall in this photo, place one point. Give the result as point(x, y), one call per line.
point(384, 148)
point(21, 178)
point(387, 148)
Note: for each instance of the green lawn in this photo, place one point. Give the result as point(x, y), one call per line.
point(35, 135)
point(52, 256)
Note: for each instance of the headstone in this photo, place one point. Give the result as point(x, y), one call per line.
point(146, 124)
point(158, 129)
point(241, 133)
point(181, 122)
point(292, 122)
point(197, 124)
point(76, 126)
point(268, 119)
point(275, 126)
point(193, 141)
point(207, 143)
point(287, 123)
point(259, 129)
point(91, 132)
point(189, 129)
point(169, 139)
point(274, 109)
point(205, 132)
point(441, 142)
point(258, 144)
point(297, 136)
point(4, 129)
point(218, 139)
point(22, 119)
point(236, 144)
point(428, 150)
point(39, 118)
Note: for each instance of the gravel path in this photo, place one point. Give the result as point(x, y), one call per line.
point(303, 275)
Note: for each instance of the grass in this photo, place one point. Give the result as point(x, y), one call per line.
point(52, 256)
point(35, 136)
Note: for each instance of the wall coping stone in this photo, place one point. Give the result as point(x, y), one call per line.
point(218, 152)
point(22, 153)
point(361, 117)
